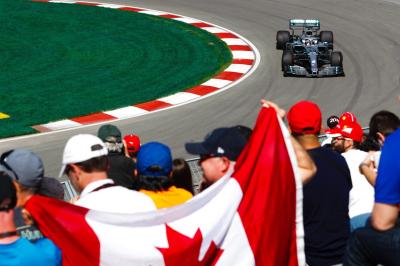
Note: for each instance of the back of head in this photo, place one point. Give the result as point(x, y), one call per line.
point(228, 142)
point(154, 166)
point(8, 193)
point(82, 148)
point(383, 122)
point(305, 118)
point(111, 136)
point(132, 143)
point(24, 166)
point(181, 175)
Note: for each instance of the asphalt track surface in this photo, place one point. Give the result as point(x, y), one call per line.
point(366, 31)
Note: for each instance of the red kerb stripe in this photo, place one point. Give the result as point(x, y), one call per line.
point(229, 76)
point(240, 48)
point(133, 9)
point(202, 90)
point(170, 16)
point(243, 61)
point(223, 35)
point(153, 105)
point(201, 24)
point(98, 117)
point(87, 4)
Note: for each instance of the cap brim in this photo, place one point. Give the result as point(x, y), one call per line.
point(197, 148)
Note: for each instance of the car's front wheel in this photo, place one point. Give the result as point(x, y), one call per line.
point(282, 37)
point(336, 59)
point(287, 60)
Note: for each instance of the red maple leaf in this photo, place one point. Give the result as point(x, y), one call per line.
point(184, 250)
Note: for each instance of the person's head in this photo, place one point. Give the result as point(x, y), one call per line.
point(8, 193)
point(181, 174)
point(132, 144)
point(84, 160)
point(382, 124)
point(154, 166)
point(111, 136)
point(305, 118)
point(219, 149)
point(332, 121)
point(27, 170)
point(350, 137)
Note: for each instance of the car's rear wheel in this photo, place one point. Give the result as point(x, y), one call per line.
point(327, 36)
point(336, 59)
point(282, 37)
point(287, 60)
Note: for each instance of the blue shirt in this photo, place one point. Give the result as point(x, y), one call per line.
point(23, 252)
point(387, 186)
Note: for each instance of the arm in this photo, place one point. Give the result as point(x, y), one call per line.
point(306, 165)
point(367, 168)
point(384, 216)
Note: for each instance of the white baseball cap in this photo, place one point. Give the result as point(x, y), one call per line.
point(80, 148)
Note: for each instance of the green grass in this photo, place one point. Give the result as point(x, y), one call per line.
point(59, 61)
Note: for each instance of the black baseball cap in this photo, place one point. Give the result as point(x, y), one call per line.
point(8, 193)
point(226, 141)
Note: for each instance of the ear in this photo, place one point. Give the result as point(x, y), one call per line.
point(225, 164)
point(136, 172)
point(381, 138)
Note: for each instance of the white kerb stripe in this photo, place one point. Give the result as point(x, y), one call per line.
point(61, 124)
point(179, 97)
point(243, 55)
point(234, 41)
point(153, 12)
point(125, 112)
point(187, 20)
point(213, 29)
point(218, 83)
point(239, 68)
point(111, 6)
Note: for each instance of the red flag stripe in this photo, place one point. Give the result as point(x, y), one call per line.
point(65, 234)
point(268, 207)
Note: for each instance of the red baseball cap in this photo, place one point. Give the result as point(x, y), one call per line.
point(132, 143)
point(353, 131)
point(347, 118)
point(305, 118)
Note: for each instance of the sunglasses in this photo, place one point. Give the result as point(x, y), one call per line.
point(3, 162)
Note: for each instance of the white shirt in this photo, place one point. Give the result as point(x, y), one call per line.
point(114, 199)
point(362, 194)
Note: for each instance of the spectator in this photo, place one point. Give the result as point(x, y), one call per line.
point(132, 146)
point(15, 250)
point(220, 149)
point(381, 125)
point(85, 162)
point(362, 193)
point(154, 167)
point(181, 175)
point(27, 170)
point(326, 196)
point(380, 244)
point(121, 169)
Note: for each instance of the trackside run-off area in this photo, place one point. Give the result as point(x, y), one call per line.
point(60, 60)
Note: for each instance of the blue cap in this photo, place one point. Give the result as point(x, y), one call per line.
point(154, 159)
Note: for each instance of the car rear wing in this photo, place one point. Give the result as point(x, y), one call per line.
point(304, 23)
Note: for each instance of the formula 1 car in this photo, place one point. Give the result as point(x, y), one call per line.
point(307, 51)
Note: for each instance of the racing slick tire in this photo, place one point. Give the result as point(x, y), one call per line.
point(282, 37)
point(327, 36)
point(336, 59)
point(287, 60)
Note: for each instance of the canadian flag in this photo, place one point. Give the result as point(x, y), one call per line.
point(253, 217)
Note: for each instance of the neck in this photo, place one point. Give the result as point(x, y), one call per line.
point(7, 225)
point(308, 142)
point(92, 177)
